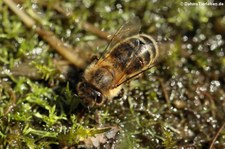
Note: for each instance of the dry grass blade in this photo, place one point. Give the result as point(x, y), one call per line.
point(216, 136)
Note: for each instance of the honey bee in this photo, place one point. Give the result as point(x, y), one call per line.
point(128, 55)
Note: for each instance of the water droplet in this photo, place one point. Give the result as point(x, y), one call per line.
point(189, 46)
point(108, 9)
point(200, 48)
point(68, 33)
point(172, 83)
point(195, 39)
point(37, 51)
point(118, 6)
point(180, 85)
point(202, 37)
point(214, 85)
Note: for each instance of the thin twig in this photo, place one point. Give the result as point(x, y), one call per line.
point(219, 26)
point(85, 25)
point(12, 100)
point(24, 17)
point(61, 47)
point(212, 103)
point(216, 136)
point(163, 86)
point(48, 36)
point(92, 29)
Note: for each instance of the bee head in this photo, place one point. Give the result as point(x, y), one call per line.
point(89, 94)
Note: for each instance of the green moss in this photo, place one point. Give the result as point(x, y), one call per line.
point(40, 109)
point(168, 140)
point(77, 132)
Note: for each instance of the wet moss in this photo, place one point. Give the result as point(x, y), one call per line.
point(178, 103)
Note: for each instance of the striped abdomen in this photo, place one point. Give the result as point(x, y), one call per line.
point(135, 53)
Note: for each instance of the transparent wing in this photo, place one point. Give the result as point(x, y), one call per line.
point(126, 78)
point(128, 29)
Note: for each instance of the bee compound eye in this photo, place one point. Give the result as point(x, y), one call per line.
point(89, 95)
point(98, 97)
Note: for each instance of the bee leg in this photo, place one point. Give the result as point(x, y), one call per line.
point(94, 58)
point(121, 93)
